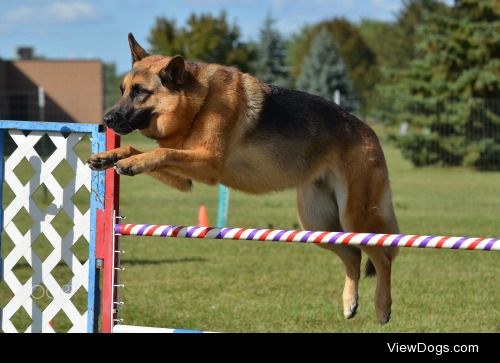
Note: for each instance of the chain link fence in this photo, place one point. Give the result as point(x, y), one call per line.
point(447, 133)
point(31, 106)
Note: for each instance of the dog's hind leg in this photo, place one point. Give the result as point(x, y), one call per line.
point(318, 210)
point(365, 206)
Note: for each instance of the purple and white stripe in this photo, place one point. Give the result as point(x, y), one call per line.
point(276, 235)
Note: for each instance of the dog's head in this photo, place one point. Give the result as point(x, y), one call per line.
point(160, 95)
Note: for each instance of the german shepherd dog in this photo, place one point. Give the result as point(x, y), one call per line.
point(215, 124)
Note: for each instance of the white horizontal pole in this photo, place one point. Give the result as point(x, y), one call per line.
point(147, 329)
point(275, 235)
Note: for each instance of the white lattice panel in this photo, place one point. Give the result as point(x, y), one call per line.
point(60, 295)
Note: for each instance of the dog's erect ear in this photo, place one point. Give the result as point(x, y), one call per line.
point(174, 73)
point(137, 51)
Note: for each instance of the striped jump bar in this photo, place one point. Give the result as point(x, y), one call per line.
point(279, 235)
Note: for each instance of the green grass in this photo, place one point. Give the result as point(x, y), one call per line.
point(247, 286)
point(236, 286)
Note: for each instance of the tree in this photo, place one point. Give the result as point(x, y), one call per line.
point(359, 59)
point(413, 13)
point(295, 50)
point(270, 64)
point(448, 93)
point(323, 72)
point(394, 43)
point(204, 37)
point(384, 39)
point(164, 37)
point(111, 85)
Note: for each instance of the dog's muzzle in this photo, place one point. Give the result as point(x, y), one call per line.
point(111, 120)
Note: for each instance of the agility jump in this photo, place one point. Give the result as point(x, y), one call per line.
point(317, 237)
point(100, 227)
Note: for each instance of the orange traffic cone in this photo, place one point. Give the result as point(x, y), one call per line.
point(202, 217)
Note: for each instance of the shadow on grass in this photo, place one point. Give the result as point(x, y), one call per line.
point(136, 262)
point(163, 261)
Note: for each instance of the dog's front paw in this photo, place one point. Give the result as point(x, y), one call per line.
point(130, 166)
point(124, 170)
point(96, 162)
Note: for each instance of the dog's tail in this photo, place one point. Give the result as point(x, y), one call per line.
point(370, 269)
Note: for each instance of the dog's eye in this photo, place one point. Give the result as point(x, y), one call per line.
point(138, 91)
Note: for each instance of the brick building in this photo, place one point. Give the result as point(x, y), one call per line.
point(72, 89)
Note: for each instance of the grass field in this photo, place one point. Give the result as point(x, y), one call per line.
point(236, 286)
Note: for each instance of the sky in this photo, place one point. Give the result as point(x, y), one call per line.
point(98, 28)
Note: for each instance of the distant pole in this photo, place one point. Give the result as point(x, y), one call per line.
point(41, 117)
point(41, 104)
point(223, 209)
point(336, 97)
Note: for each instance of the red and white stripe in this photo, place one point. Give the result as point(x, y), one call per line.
point(367, 239)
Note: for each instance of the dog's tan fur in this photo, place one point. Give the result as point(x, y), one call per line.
point(209, 124)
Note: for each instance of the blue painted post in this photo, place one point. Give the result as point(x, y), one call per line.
point(48, 126)
point(223, 209)
point(96, 202)
point(1, 189)
point(2, 132)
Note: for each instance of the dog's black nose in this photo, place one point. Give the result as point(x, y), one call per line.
point(109, 119)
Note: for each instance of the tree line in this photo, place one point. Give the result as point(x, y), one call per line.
point(436, 68)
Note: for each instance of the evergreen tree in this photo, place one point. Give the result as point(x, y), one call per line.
point(449, 94)
point(270, 66)
point(413, 13)
point(394, 43)
point(323, 72)
point(359, 59)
